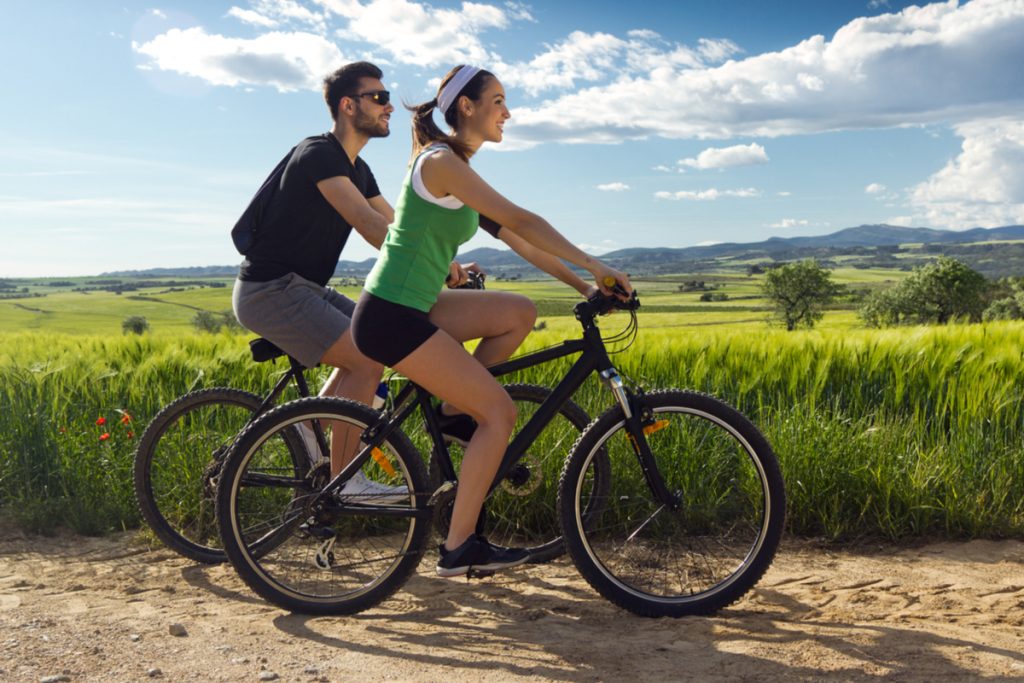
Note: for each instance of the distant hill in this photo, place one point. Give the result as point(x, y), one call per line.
point(861, 246)
point(861, 236)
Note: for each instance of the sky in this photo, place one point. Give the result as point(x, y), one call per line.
point(134, 133)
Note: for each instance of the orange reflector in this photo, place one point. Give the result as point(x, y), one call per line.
point(656, 427)
point(383, 462)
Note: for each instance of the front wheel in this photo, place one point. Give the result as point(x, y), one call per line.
point(321, 554)
point(702, 551)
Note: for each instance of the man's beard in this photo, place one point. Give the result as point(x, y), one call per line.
point(370, 126)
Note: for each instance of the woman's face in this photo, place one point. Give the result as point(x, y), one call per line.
point(489, 113)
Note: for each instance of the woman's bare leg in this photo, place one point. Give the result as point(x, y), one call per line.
point(501, 320)
point(445, 369)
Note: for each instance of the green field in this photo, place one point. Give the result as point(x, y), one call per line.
point(63, 310)
point(894, 433)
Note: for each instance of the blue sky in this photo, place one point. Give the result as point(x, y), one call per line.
point(133, 134)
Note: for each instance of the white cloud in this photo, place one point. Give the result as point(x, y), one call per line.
point(591, 57)
point(663, 168)
point(917, 66)
point(286, 61)
point(407, 32)
point(875, 188)
point(787, 223)
point(251, 17)
point(983, 186)
point(580, 57)
point(710, 194)
point(725, 157)
point(597, 249)
point(419, 34)
point(613, 187)
point(785, 194)
point(717, 50)
point(292, 12)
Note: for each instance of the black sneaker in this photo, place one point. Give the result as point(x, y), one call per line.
point(477, 554)
point(458, 428)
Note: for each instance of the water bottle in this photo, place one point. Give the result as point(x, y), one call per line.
point(380, 396)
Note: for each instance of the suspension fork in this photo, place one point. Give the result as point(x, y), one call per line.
point(637, 417)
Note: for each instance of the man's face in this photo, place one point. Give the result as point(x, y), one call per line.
point(371, 119)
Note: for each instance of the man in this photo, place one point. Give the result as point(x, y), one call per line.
point(307, 209)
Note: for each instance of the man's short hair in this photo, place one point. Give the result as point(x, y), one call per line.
point(344, 82)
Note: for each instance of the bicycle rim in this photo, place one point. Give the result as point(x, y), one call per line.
point(174, 469)
point(318, 558)
point(694, 560)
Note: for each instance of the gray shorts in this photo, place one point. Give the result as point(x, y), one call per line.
point(299, 316)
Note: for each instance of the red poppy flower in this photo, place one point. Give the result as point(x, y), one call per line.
point(63, 430)
point(104, 436)
point(131, 434)
point(101, 420)
point(126, 418)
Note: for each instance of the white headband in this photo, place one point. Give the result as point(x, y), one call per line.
point(450, 92)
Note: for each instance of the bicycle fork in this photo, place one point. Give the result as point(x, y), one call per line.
point(639, 420)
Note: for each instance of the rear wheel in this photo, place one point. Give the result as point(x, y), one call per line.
point(177, 463)
point(707, 552)
point(326, 556)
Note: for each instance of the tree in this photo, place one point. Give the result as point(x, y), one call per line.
point(935, 293)
point(206, 321)
point(800, 291)
point(230, 322)
point(1007, 300)
point(134, 324)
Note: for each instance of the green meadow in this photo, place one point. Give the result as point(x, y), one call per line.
point(900, 433)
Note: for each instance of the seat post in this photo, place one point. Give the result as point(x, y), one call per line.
point(300, 377)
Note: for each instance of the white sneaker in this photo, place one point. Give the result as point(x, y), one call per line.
point(359, 489)
point(312, 447)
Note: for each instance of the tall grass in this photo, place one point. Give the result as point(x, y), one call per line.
point(893, 433)
point(55, 468)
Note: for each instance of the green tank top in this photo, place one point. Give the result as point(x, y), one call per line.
point(419, 247)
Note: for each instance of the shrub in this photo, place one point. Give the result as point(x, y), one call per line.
point(135, 324)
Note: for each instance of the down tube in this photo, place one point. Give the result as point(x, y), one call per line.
point(572, 381)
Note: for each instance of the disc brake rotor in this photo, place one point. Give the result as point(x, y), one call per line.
point(525, 477)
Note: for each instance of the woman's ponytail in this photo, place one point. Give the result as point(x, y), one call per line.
point(425, 131)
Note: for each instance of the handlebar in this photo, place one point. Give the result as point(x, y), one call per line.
point(600, 304)
point(475, 281)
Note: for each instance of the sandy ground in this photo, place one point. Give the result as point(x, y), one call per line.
point(83, 609)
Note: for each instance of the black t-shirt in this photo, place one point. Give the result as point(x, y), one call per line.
point(300, 231)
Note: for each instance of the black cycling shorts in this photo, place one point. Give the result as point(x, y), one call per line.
point(388, 332)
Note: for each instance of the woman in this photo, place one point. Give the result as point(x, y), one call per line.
point(401, 320)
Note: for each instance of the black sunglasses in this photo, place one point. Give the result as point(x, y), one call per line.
point(381, 97)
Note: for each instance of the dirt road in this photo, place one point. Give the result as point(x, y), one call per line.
point(84, 609)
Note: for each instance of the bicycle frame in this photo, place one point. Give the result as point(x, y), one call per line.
point(593, 358)
point(296, 371)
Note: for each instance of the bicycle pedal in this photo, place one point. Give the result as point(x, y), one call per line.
point(473, 573)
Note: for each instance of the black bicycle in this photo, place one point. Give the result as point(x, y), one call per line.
point(180, 455)
point(671, 502)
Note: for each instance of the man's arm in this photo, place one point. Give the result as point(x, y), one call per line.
point(381, 206)
point(365, 216)
point(546, 262)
